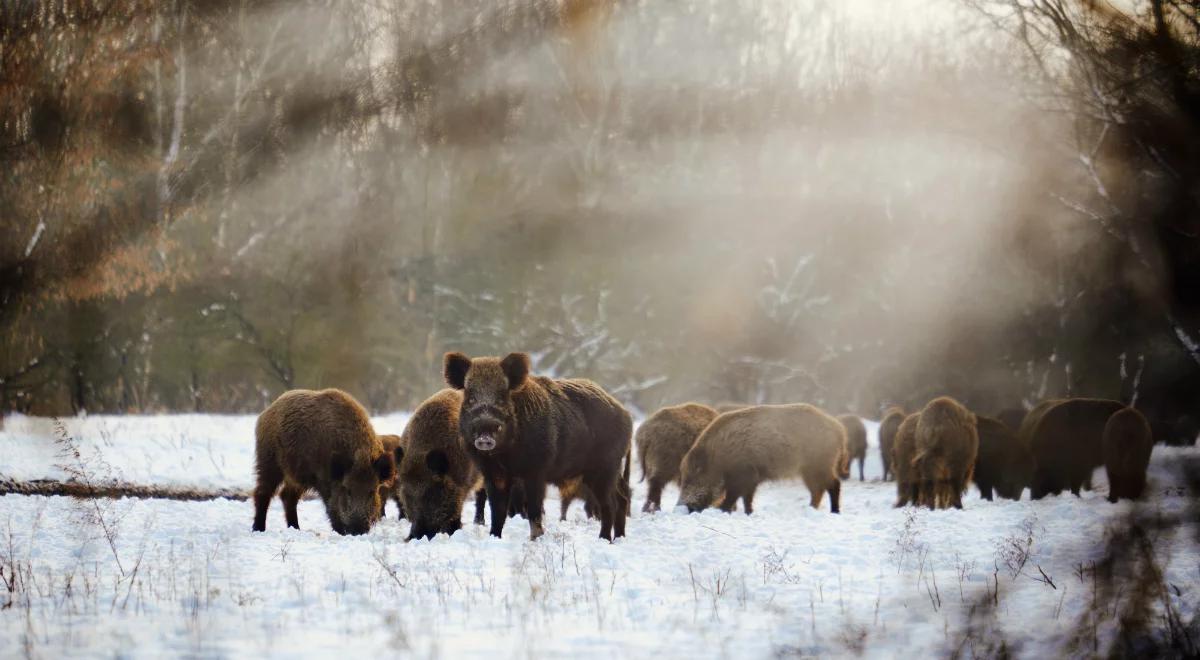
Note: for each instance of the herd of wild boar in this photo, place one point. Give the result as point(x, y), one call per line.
point(501, 434)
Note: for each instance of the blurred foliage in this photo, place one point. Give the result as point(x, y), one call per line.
point(203, 204)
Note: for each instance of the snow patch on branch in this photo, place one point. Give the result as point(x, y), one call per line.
point(37, 236)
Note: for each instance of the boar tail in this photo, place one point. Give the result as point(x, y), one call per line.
point(642, 463)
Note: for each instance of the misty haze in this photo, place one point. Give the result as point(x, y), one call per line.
point(926, 273)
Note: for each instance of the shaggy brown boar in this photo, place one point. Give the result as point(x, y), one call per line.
point(436, 475)
point(887, 438)
point(947, 443)
point(1003, 464)
point(741, 449)
point(663, 439)
point(542, 430)
point(1066, 443)
point(904, 449)
point(1127, 443)
point(856, 441)
point(391, 489)
point(321, 441)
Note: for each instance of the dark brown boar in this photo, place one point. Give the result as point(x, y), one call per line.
point(391, 489)
point(856, 441)
point(1004, 464)
point(323, 441)
point(887, 438)
point(436, 475)
point(542, 430)
point(1066, 443)
point(663, 439)
point(947, 444)
point(904, 449)
point(1127, 443)
point(741, 449)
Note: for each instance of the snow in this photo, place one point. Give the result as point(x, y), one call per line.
point(190, 451)
point(789, 580)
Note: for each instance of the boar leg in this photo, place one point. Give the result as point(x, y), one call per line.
point(956, 495)
point(621, 513)
point(607, 507)
point(748, 499)
point(817, 494)
point(269, 478)
point(737, 484)
point(480, 502)
point(291, 496)
point(729, 504)
point(860, 468)
point(498, 502)
point(835, 496)
point(604, 488)
point(654, 495)
point(535, 496)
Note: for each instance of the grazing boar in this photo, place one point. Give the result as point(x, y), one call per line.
point(1004, 464)
point(1066, 443)
point(947, 444)
point(436, 475)
point(856, 441)
point(887, 438)
point(663, 439)
point(323, 441)
point(391, 489)
point(741, 449)
point(542, 430)
point(1127, 443)
point(904, 449)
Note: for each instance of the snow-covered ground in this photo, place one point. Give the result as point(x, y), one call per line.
point(189, 451)
point(187, 578)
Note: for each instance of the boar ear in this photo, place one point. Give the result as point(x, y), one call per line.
point(437, 461)
point(516, 368)
point(454, 368)
point(339, 466)
point(385, 466)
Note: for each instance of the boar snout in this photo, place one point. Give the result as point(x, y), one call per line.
point(485, 442)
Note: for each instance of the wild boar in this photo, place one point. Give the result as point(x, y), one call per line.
point(741, 449)
point(856, 440)
point(323, 441)
point(663, 439)
point(888, 428)
point(1066, 443)
point(947, 443)
point(1127, 445)
point(542, 430)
